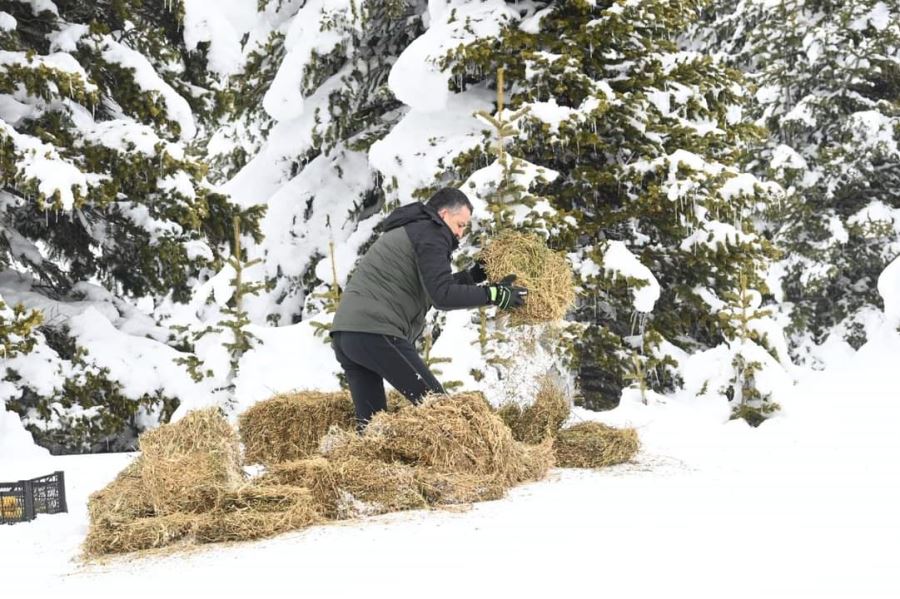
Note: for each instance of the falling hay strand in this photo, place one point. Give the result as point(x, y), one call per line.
point(594, 445)
point(188, 465)
point(545, 273)
point(289, 426)
point(540, 420)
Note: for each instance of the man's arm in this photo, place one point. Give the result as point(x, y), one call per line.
point(443, 288)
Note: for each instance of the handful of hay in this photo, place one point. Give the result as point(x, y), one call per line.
point(545, 273)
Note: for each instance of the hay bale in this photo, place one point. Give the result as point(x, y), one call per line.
point(458, 433)
point(188, 465)
point(594, 445)
point(122, 500)
point(350, 487)
point(540, 420)
point(143, 533)
point(256, 512)
point(546, 274)
point(289, 426)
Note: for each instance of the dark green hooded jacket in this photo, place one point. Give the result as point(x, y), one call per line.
point(405, 272)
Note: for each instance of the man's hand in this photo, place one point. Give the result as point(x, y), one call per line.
point(506, 295)
point(477, 272)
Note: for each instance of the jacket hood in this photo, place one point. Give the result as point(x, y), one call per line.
point(414, 212)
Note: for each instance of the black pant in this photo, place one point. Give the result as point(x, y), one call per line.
point(368, 359)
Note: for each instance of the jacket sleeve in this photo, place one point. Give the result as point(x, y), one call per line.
point(462, 278)
point(444, 289)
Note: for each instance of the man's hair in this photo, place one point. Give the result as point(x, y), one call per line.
point(449, 198)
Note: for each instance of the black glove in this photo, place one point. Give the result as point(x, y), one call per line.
point(477, 272)
point(506, 295)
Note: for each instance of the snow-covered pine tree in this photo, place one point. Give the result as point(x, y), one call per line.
point(103, 200)
point(312, 99)
point(645, 136)
point(828, 91)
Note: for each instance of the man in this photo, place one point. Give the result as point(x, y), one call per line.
point(382, 310)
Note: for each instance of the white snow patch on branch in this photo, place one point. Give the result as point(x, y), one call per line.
point(416, 78)
point(149, 80)
point(617, 259)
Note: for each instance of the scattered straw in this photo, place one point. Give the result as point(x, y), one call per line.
point(594, 445)
point(546, 274)
point(289, 426)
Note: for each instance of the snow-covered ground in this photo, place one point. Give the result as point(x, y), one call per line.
point(804, 506)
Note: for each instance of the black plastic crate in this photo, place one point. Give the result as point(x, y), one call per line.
point(23, 500)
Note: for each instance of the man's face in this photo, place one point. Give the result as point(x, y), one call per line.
point(457, 219)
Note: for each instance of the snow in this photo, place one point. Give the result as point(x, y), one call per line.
point(889, 288)
point(7, 21)
point(873, 130)
point(550, 113)
point(15, 442)
point(125, 135)
point(13, 112)
point(811, 490)
point(879, 18)
point(416, 78)
point(222, 24)
point(619, 260)
point(148, 79)
point(713, 234)
point(784, 156)
point(119, 352)
point(39, 6)
point(42, 163)
point(450, 132)
point(67, 38)
point(304, 40)
point(805, 505)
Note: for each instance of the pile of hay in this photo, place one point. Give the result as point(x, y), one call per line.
point(459, 448)
point(546, 274)
point(289, 426)
point(542, 419)
point(594, 445)
point(188, 484)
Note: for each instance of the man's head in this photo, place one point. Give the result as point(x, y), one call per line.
point(454, 208)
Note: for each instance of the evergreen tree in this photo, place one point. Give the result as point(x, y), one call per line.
point(646, 137)
point(828, 91)
point(315, 115)
point(100, 105)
